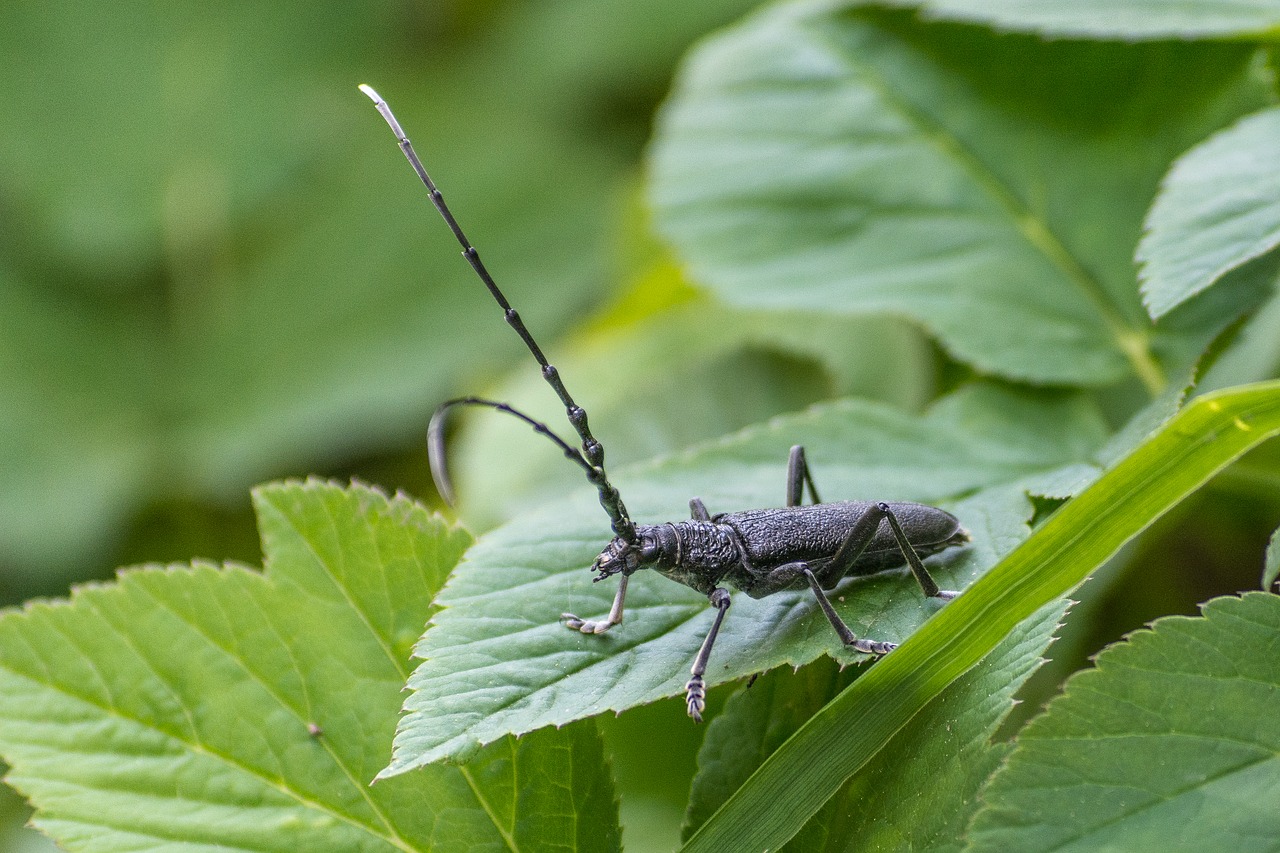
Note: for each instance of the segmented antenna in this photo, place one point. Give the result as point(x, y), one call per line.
point(591, 458)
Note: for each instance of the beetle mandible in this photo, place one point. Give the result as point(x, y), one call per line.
point(758, 552)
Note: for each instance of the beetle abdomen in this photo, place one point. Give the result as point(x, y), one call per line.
point(773, 537)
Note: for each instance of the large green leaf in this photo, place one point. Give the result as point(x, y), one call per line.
point(990, 186)
point(242, 710)
point(497, 660)
point(1170, 743)
point(1113, 19)
point(850, 732)
point(919, 793)
point(1219, 207)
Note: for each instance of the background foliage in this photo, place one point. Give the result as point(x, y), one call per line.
point(214, 271)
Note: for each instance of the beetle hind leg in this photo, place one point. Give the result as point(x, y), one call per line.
point(798, 477)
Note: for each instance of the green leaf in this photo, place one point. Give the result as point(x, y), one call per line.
point(1113, 19)
point(756, 720)
point(1219, 207)
point(249, 711)
point(1170, 743)
point(793, 784)
point(924, 786)
point(1271, 566)
point(498, 661)
point(991, 187)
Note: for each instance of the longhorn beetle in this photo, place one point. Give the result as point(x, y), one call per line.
point(759, 552)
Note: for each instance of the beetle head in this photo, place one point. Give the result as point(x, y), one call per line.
point(623, 557)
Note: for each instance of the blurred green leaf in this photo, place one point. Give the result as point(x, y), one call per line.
point(497, 660)
point(920, 792)
point(1169, 743)
point(248, 711)
point(851, 731)
point(215, 267)
point(1271, 566)
point(990, 186)
point(1112, 19)
point(1219, 207)
point(657, 378)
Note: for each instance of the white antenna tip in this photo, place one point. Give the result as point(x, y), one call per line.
point(368, 90)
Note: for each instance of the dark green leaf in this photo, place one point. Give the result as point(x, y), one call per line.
point(1219, 207)
point(1170, 743)
point(1113, 19)
point(990, 186)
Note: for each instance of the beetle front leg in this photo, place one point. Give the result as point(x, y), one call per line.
point(695, 692)
point(588, 626)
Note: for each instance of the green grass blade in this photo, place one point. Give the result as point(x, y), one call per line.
point(796, 780)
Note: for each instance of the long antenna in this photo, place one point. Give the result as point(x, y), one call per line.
point(592, 449)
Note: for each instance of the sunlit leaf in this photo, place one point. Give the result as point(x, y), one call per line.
point(249, 711)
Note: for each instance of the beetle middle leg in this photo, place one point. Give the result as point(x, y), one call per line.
point(785, 575)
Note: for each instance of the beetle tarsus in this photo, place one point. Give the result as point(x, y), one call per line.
point(586, 626)
point(695, 697)
point(872, 647)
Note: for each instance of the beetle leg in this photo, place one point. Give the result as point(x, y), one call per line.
point(797, 476)
point(588, 626)
point(871, 647)
point(695, 692)
point(860, 536)
point(926, 581)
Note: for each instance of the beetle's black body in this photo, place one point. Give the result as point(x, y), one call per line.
point(759, 552)
point(744, 549)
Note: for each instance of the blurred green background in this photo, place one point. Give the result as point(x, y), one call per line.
point(217, 270)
